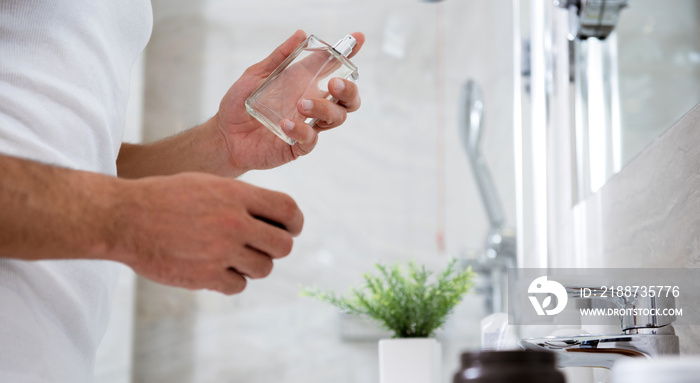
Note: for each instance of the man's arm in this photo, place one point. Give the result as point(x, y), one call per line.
point(50, 212)
point(189, 230)
point(201, 149)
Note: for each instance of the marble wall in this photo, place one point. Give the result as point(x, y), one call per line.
point(646, 216)
point(392, 184)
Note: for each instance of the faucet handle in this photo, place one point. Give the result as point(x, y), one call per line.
point(640, 309)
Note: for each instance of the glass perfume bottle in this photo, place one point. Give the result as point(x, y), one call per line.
point(303, 75)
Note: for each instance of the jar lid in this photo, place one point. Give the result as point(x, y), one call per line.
point(510, 357)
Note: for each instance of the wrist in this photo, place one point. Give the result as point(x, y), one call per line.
point(111, 212)
point(128, 234)
point(203, 149)
point(221, 158)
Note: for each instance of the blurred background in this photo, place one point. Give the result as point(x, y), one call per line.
point(392, 184)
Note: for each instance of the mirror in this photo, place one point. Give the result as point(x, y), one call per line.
point(614, 93)
point(586, 108)
point(633, 85)
point(659, 68)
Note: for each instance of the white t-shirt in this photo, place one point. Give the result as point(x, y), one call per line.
point(64, 82)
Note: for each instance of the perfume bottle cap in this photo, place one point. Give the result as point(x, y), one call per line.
point(345, 45)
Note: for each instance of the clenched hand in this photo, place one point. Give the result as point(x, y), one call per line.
point(199, 231)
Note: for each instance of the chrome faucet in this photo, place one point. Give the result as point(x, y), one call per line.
point(500, 249)
point(644, 333)
point(592, 18)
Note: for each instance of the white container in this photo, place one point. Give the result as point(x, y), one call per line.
point(666, 370)
point(410, 360)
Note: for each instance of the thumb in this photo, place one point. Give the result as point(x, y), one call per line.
point(271, 62)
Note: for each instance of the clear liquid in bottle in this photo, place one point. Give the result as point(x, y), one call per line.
point(305, 74)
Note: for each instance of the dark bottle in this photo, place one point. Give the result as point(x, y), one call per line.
point(509, 367)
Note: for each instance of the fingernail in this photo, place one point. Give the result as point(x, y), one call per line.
point(287, 125)
point(339, 85)
point(306, 105)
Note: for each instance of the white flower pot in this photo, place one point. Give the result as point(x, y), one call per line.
point(410, 360)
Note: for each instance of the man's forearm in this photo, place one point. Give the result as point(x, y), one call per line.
point(48, 212)
point(201, 149)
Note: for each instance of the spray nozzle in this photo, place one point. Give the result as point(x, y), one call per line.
point(345, 45)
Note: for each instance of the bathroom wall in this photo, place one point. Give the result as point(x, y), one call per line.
point(392, 184)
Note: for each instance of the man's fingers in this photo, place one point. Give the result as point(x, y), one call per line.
point(277, 207)
point(331, 114)
point(347, 94)
point(270, 239)
point(252, 263)
point(230, 282)
point(193, 275)
point(305, 136)
point(328, 113)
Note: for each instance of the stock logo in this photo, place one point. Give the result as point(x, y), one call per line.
point(542, 286)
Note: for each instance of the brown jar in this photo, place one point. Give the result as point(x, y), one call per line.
point(508, 367)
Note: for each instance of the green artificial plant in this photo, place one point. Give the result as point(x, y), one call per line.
point(404, 299)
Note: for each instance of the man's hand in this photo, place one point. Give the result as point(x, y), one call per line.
point(232, 142)
point(250, 145)
point(191, 230)
point(200, 231)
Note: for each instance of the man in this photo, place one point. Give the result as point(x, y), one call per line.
point(175, 213)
